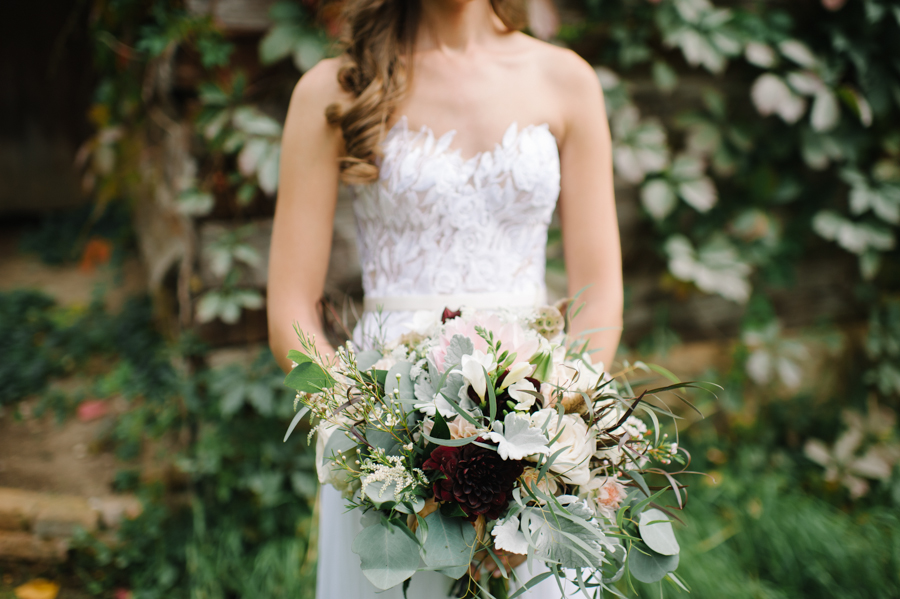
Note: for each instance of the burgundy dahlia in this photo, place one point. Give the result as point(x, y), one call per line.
point(449, 314)
point(478, 479)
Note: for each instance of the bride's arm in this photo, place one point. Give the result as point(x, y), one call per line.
point(587, 210)
point(304, 213)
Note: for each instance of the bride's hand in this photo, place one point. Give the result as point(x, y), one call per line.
point(509, 561)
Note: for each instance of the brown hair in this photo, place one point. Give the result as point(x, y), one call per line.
point(378, 40)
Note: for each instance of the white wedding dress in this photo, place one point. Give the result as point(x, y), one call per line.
point(438, 230)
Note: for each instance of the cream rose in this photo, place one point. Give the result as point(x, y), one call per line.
point(579, 444)
point(572, 378)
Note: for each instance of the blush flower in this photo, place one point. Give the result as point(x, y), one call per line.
point(604, 494)
point(512, 337)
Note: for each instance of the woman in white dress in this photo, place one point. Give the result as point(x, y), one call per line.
point(458, 135)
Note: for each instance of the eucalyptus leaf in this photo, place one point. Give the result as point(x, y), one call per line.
point(650, 567)
point(338, 441)
point(385, 440)
point(656, 531)
point(387, 555)
point(381, 493)
point(449, 544)
point(366, 359)
point(415, 507)
point(404, 384)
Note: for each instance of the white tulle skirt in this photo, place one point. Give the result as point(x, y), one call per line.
point(339, 575)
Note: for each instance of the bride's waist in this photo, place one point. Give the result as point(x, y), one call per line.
point(436, 302)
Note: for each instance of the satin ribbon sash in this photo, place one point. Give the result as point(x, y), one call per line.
point(476, 301)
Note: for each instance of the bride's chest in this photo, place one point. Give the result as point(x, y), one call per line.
point(424, 182)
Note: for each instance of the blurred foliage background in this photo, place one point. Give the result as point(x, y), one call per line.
point(757, 157)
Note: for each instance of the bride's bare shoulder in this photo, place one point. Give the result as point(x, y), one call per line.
point(561, 68)
point(319, 87)
point(569, 79)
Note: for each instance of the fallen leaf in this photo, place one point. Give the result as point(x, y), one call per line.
point(92, 409)
point(38, 588)
point(96, 253)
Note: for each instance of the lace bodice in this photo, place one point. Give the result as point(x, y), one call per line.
point(436, 223)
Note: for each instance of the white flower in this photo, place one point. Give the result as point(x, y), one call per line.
point(517, 439)
point(473, 368)
point(635, 427)
point(523, 393)
point(573, 378)
point(517, 372)
point(509, 537)
point(573, 464)
point(440, 404)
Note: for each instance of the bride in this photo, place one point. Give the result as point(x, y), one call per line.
point(458, 135)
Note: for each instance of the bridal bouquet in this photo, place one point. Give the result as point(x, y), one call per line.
point(479, 434)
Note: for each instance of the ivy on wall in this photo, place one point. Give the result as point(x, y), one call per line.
point(784, 143)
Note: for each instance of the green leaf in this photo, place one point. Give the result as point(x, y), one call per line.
point(296, 420)
point(233, 400)
point(637, 478)
point(262, 397)
point(308, 377)
point(531, 583)
point(450, 442)
point(664, 77)
point(650, 567)
point(452, 510)
point(492, 398)
point(449, 545)
point(387, 556)
point(440, 430)
point(278, 43)
point(308, 51)
point(298, 356)
point(656, 531)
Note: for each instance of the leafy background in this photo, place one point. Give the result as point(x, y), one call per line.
point(756, 146)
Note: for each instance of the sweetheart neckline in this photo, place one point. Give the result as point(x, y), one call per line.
point(402, 125)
